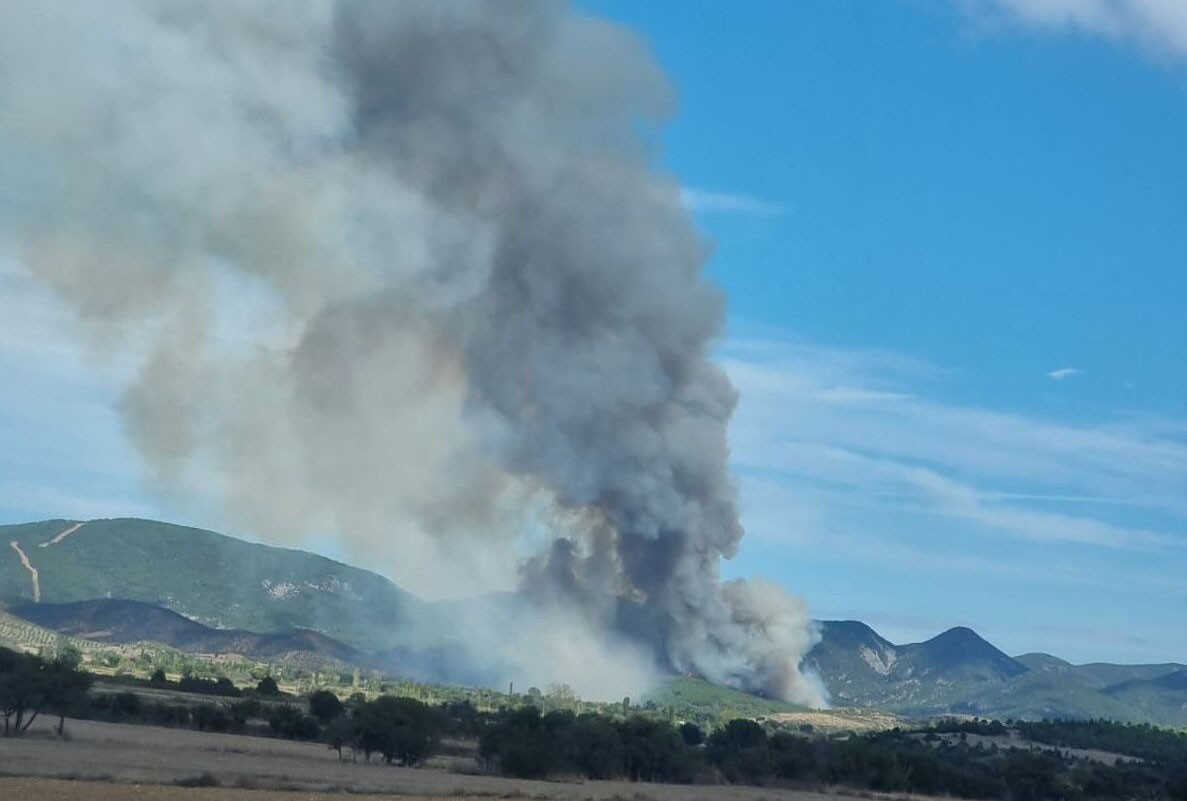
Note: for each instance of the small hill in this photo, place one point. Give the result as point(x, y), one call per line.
point(1103, 674)
point(113, 620)
point(1044, 663)
point(219, 581)
point(957, 655)
point(1040, 695)
point(1162, 700)
point(122, 622)
point(697, 699)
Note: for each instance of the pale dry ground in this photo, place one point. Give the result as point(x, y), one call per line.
point(27, 789)
point(840, 720)
point(33, 575)
point(112, 757)
point(61, 535)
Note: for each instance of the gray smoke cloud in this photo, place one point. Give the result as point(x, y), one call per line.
point(403, 272)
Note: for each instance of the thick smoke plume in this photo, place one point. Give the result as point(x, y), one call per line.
point(402, 272)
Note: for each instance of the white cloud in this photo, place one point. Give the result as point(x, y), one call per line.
point(1159, 25)
point(1064, 372)
point(857, 447)
point(707, 201)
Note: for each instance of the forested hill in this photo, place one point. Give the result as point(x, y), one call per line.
point(226, 583)
point(214, 579)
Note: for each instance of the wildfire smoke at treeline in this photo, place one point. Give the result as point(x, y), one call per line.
point(404, 273)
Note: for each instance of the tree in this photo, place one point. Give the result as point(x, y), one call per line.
point(158, 678)
point(66, 686)
point(1177, 788)
point(516, 745)
point(561, 696)
point(739, 750)
point(792, 757)
point(691, 734)
point(267, 688)
point(594, 747)
point(22, 690)
point(402, 730)
point(340, 733)
point(325, 706)
point(653, 751)
point(30, 685)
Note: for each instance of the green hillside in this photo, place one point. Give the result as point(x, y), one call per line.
point(217, 580)
point(264, 592)
point(697, 699)
point(1161, 700)
point(1043, 696)
point(1103, 674)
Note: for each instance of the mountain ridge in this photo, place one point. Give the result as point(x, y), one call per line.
point(211, 578)
point(959, 672)
point(200, 590)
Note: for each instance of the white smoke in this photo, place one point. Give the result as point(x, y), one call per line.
point(402, 272)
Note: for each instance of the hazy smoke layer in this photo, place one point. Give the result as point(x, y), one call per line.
point(401, 272)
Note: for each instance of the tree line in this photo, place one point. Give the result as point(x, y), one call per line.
point(524, 742)
point(528, 744)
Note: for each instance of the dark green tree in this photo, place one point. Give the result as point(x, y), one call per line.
point(66, 686)
point(739, 750)
point(341, 733)
point(325, 706)
point(402, 730)
point(22, 690)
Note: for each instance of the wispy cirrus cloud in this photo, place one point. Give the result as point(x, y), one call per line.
point(1157, 25)
point(833, 427)
point(866, 479)
point(704, 200)
point(1064, 372)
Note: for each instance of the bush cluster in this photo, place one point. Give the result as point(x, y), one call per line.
point(526, 744)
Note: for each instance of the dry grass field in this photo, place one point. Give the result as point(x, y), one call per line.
point(33, 789)
point(841, 720)
point(115, 761)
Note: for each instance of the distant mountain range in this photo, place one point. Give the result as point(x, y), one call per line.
point(958, 672)
point(130, 580)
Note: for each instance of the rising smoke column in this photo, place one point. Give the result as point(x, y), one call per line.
point(402, 272)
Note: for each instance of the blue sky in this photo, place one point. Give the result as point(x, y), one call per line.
point(922, 213)
point(954, 240)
